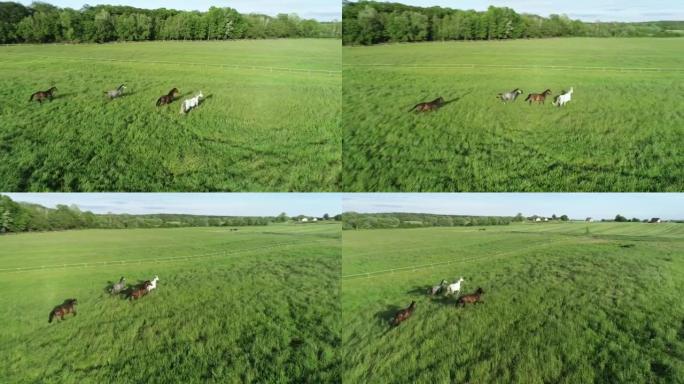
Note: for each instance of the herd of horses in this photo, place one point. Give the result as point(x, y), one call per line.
point(132, 292)
point(169, 98)
point(447, 290)
point(539, 98)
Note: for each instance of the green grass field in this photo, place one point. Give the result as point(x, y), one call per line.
point(622, 131)
point(271, 124)
point(563, 303)
point(257, 305)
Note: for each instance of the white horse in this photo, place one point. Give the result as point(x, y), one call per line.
point(454, 288)
point(189, 104)
point(153, 284)
point(564, 98)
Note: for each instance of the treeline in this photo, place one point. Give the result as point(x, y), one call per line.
point(353, 220)
point(22, 217)
point(369, 22)
point(45, 23)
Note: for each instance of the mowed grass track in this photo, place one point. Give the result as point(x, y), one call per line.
point(622, 131)
point(264, 309)
point(271, 124)
point(560, 305)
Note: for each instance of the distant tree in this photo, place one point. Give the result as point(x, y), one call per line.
point(620, 219)
point(564, 218)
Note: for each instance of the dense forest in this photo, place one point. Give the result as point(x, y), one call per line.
point(369, 22)
point(353, 220)
point(45, 23)
point(24, 217)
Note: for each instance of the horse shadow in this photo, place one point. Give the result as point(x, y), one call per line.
point(419, 290)
point(456, 99)
point(385, 316)
point(60, 95)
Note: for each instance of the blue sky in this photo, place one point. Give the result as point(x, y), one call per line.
point(238, 204)
point(575, 205)
point(324, 10)
point(586, 10)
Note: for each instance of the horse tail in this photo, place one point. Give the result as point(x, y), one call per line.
point(414, 107)
point(159, 101)
point(31, 98)
point(52, 315)
point(528, 97)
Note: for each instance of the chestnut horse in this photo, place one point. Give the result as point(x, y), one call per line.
point(140, 291)
point(428, 106)
point(42, 95)
point(168, 98)
point(471, 298)
point(403, 314)
point(538, 97)
point(59, 311)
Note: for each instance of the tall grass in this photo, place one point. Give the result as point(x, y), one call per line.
point(259, 129)
point(263, 315)
point(559, 306)
point(620, 132)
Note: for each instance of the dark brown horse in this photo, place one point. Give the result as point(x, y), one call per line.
point(168, 98)
point(403, 314)
point(471, 298)
point(59, 311)
point(140, 291)
point(42, 95)
point(428, 106)
point(538, 97)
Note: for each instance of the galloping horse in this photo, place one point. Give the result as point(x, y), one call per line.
point(115, 93)
point(428, 106)
point(140, 291)
point(563, 98)
point(61, 310)
point(403, 314)
point(42, 95)
point(118, 287)
point(436, 289)
point(168, 98)
point(471, 298)
point(510, 96)
point(538, 97)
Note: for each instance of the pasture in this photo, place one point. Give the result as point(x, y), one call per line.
point(260, 304)
point(622, 130)
point(562, 303)
point(269, 121)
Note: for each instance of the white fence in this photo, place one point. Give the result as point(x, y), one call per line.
point(155, 259)
point(207, 65)
point(452, 261)
point(525, 67)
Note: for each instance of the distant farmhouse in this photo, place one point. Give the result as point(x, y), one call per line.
point(655, 220)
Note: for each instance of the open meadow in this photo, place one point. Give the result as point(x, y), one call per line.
point(260, 304)
point(562, 303)
point(269, 121)
point(622, 131)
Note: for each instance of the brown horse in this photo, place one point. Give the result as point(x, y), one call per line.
point(140, 291)
point(168, 98)
point(403, 314)
point(428, 106)
point(471, 298)
point(42, 95)
point(59, 311)
point(538, 97)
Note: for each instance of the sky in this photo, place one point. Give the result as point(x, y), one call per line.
point(322, 10)
point(228, 204)
point(585, 10)
point(575, 205)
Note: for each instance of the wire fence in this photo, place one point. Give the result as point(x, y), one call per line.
point(206, 65)
point(446, 262)
point(521, 67)
point(156, 259)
